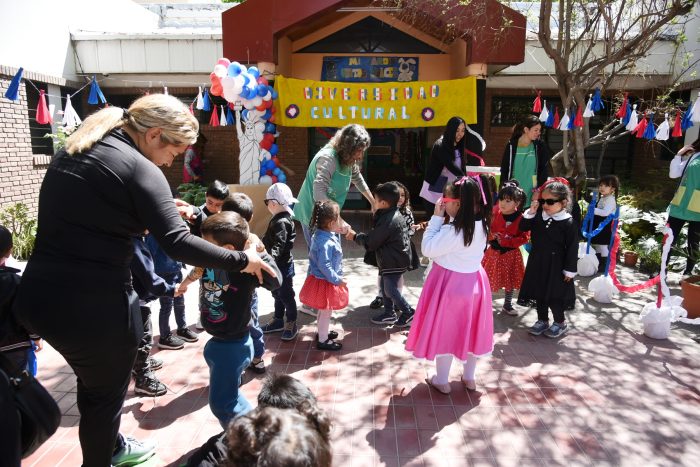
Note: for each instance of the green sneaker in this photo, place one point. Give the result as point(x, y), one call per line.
point(133, 453)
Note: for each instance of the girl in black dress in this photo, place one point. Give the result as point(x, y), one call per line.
point(551, 265)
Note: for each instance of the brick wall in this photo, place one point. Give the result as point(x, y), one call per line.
point(21, 172)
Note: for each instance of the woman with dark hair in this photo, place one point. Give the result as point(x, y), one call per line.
point(685, 206)
point(525, 157)
point(447, 161)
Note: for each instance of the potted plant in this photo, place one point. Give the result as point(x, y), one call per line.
point(690, 288)
point(629, 253)
point(649, 250)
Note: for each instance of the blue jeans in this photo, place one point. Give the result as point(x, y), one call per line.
point(227, 360)
point(390, 290)
point(167, 304)
point(255, 332)
point(285, 304)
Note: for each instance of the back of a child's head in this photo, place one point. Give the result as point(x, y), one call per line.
point(5, 242)
point(560, 191)
point(217, 189)
point(240, 203)
point(227, 228)
point(611, 181)
point(323, 214)
point(272, 437)
point(388, 192)
point(284, 392)
point(511, 190)
point(475, 204)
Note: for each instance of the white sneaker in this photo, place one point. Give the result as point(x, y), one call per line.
point(307, 310)
point(199, 326)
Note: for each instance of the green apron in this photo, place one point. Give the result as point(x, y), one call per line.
point(686, 202)
point(525, 170)
point(338, 190)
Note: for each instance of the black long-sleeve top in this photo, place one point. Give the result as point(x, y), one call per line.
point(279, 239)
point(91, 204)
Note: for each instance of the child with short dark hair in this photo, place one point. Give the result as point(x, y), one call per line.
point(608, 187)
point(279, 241)
point(390, 239)
point(216, 194)
point(227, 315)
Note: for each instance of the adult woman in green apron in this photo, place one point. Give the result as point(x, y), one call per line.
point(525, 157)
point(685, 205)
point(330, 173)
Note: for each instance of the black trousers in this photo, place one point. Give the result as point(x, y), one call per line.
point(676, 225)
point(144, 349)
point(557, 307)
point(97, 329)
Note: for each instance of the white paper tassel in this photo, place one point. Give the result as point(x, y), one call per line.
point(695, 117)
point(200, 100)
point(589, 111)
point(544, 115)
point(70, 116)
point(587, 266)
point(165, 90)
point(564, 122)
point(222, 120)
point(662, 132)
point(603, 289)
point(634, 120)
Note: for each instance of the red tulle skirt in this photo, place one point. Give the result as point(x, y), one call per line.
point(322, 295)
point(505, 270)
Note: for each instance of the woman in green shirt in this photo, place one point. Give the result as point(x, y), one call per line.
point(685, 205)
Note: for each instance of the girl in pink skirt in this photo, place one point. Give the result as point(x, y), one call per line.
point(453, 318)
point(324, 288)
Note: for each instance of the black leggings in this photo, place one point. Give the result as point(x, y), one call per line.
point(557, 307)
point(691, 250)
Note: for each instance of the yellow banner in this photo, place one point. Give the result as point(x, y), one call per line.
point(307, 103)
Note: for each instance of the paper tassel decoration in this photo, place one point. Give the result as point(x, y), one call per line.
point(223, 121)
point(633, 121)
point(550, 119)
point(192, 108)
point(578, 121)
point(555, 123)
point(96, 95)
point(570, 125)
point(544, 115)
point(650, 130)
point(12, 92)
point(207, 101)
point(695, 112)
point(623, 109)
point(229, 117)
point(564, 122)
point(165, 90)
point(589, 110)
point(677, 132)
point(686, 122)
point(214, 120)
point(43, 116)
point(70, 116)
point(628, 114)
point(641, 127)
point(662, 133)
point(537, 105)
point(598, 101)
point(200, 99)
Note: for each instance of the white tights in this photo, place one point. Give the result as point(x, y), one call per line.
point(323, 322)
point(443, 364)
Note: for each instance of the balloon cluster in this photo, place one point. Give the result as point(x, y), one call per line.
point(238, 84)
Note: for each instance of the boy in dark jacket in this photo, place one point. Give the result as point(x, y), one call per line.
point(390, 239)
point(228, 297)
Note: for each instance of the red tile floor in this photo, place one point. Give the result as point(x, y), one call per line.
point(602, 395)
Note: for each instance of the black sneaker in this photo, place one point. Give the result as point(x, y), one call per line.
point(377, 303)
point(405, 319)
point(171, 342)
point(186, 335)
point(154, 363)
point(387, 317)
point(149, 386)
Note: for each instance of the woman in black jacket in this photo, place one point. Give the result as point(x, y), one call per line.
point(447, 161)
point(77, 291)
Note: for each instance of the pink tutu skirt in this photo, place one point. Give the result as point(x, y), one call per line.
point(453, 316)
point(322, 295)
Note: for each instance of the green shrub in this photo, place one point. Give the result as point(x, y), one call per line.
point(192, 193)
point(22, 227)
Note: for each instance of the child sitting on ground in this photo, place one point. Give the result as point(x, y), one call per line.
point(279, 241)
point(228, 296)
point(390, 239)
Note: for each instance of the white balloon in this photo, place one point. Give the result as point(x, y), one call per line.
point(220, 71)
point(267, 96)
point(230, 93)
point(266, 179)
point(258, 101)
point(239, 81)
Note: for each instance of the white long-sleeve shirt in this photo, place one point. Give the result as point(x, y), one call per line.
point(445, 246)
point(675, 170)
point(605, 206)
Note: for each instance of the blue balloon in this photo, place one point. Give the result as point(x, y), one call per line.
point(246, 80)
point(282, 178)
point(261, 90)
point(254, 71)
point(244, 114)
point(267, 115)
point(252, 94)
point(277, 171)
point(269, 164)
point(274, 93)
point(270, 128)
point(262, 170)
point(234, 69)
point(274, 149)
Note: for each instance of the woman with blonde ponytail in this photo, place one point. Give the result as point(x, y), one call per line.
point(76, 292)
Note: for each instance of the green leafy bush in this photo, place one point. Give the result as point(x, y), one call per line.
point(192, 193)
point(22, 227)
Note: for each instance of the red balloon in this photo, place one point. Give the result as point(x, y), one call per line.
point(266, 104)
point(261, 107)
point(269, 172)
point(274, 178)
point(271, 119)
point(273, 109)
point(216, 89)
point(275, 160)
point(265, 144)
point(269, 137)
point(262, 80)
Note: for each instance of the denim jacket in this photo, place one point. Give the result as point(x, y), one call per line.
point(163, 264)
point(326, 256)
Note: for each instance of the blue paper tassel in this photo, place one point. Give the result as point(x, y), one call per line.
point(550, 118)
point(597, 102)
point(207, 101)
point(230, 119)
point(12, 92)
point(687, 122)
point(650, 132)
point(628, 115)
point(572, 116)
point(96, 95)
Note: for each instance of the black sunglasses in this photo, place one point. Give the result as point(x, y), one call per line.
point(549, 201)
point(266, 201)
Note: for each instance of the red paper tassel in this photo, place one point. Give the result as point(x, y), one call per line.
point(578, 121)
point(537, 106)
point(42, 111)
point(192, 108)
point(677, 131)
point(555, 124)
point(622, 111)
point(641, 127)
point(214, 120)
